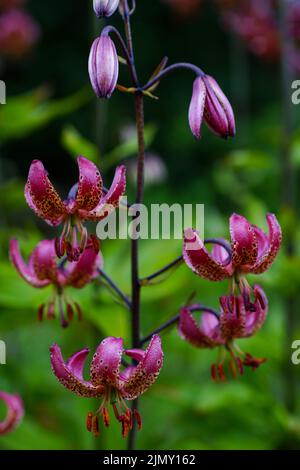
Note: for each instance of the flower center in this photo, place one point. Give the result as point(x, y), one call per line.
point(122, 413)
point(64, 304)
point(74, 239)
point(236, 359)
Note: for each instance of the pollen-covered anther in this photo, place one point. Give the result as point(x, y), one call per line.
point(105, 417)
point(96, 430)
point(89, 421)
point(138, 419)
point(214, 374)
point(221, 373)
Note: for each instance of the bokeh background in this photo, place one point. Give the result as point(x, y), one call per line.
point(52, 115)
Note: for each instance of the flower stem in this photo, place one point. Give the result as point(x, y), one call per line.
point(135, 284)
point(115, 288)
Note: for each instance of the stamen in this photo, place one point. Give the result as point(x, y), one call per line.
point(214, 373)
point(125, 428)
point(89, 421)
point(221, 373)
point(79, 311)
point(70, 312)
point(96, 426)
point(232, 368)
point(51, 311)
point(129, 418)
point(117, 415)
point(105, 417)
point(138, 419)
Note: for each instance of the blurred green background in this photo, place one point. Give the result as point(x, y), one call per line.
point(52, 115)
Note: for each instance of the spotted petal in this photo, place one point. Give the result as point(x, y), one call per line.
point(26, 271)
point(200, 261)
point(268, 252)
point(111, 200)
point(15, 412)
point(69, 373)
point(105, 366)
point(90, 185)
point(44, 262)
point(146, 372)
point(80, 273)
point(243, 243)
point(41, 196)
point(207, 335)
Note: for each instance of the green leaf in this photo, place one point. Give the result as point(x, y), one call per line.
point(26, 113)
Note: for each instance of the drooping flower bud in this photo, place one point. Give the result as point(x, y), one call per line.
point(105, 7)
point(103, 66)
point(209, 104)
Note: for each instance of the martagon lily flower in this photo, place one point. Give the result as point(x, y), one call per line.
point(43, 270)
point(252, 251)
point(108, 381)
point(209, 104)
point(86, 201)
point(238, 318)
point(15, 412)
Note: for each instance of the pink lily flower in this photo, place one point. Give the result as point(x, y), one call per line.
point(15, 412)
point(108, 381)
point(43, 270)
point(252, 251)
point(239, 318)
point(86, 201)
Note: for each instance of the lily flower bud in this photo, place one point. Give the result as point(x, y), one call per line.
point(103, 66)
point(209, 104)
point(105, 7)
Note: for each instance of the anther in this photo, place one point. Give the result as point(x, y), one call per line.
point(89, 421)
point(96, 426)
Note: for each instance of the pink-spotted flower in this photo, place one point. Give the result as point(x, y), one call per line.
point(105, 8)
point(238, 318)
point(86, 201)
point(251, 251)
point(108, 381)
point(43, 269)
point(103, 66)
point(209, 104)
point(15, 412)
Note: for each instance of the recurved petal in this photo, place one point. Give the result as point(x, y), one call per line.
point(90, 185)
point(80, 273)
point(111, 200)
point(267, 257)
point(41, 196)
point(44, 262)
point(69, 373)
point(200, 260)
point(207, 335)
point(105, 366)
point(256, 319)
point(146, 372)
point(196, 109)
point(15, 412)
point(243, 243)
point(26, 271)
